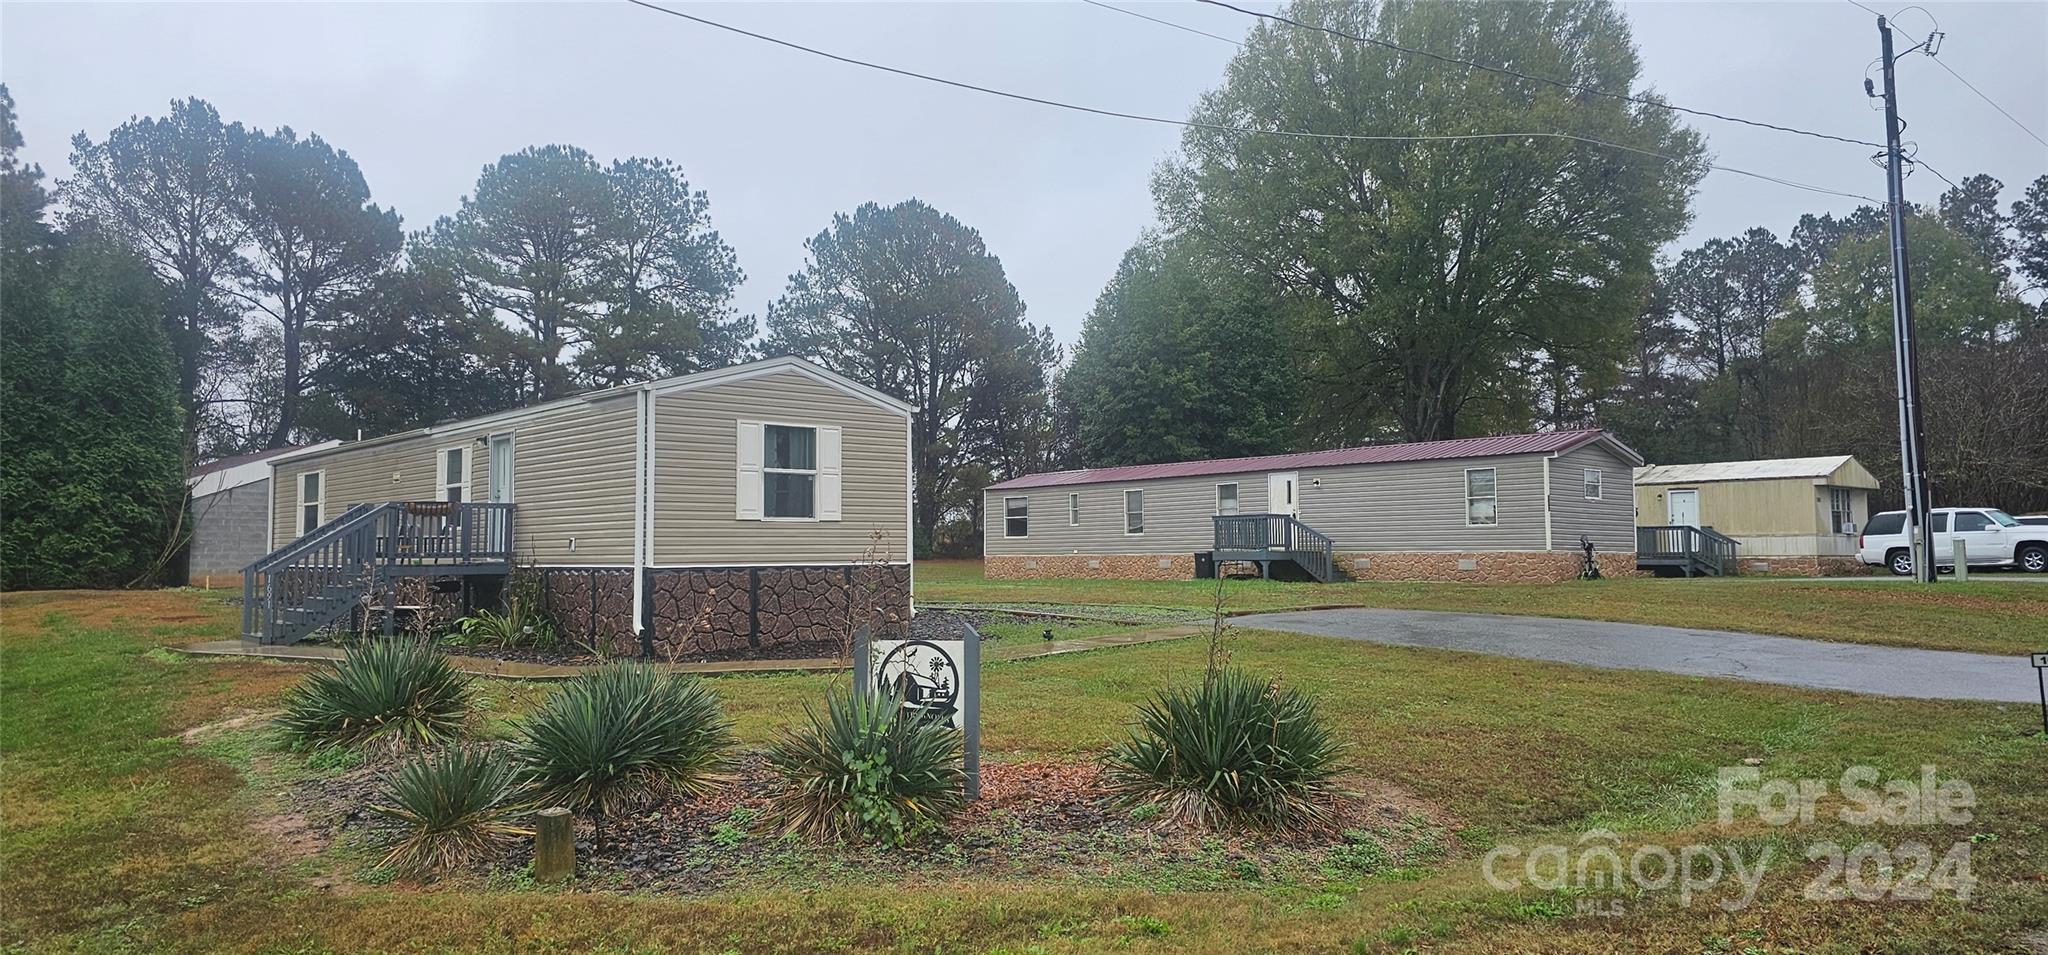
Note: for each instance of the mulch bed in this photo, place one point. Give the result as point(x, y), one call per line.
point(1036, 819)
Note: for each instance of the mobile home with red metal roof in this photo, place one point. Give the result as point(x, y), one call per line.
point(1501, 508)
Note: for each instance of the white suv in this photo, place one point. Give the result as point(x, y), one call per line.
point(1991, 538)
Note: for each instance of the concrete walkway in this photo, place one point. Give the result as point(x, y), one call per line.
point(999, 651)
point(1858, 668)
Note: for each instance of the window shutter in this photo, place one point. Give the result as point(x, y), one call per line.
point(748, 499)
point(829, 473)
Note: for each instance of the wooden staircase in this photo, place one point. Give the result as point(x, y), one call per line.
point(1693, 551)
point(1275, 539)
point(353, 563)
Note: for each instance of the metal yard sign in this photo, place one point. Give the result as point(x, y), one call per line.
point(940, 680)
point(2040, 661)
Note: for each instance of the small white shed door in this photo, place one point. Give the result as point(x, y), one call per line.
point(1682, 508)
point(1282, 495)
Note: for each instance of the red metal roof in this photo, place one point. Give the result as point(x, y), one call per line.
point(1541, 442)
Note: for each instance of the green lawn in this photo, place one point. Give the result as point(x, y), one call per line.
point(118, 835)
point(1983, 615)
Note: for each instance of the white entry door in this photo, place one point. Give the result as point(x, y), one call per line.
point(1282, 495)
point(1682, 508)
point(501, 468)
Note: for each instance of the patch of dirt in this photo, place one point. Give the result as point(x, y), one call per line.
point(290, 837)
point(1036, 819)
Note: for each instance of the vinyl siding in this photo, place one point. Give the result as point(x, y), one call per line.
point(1610, 521)
point(572, 467)
point(1402, 506)
point(1419, 506)
point(1776, 517)
point(1178, 514)
point(695, 480)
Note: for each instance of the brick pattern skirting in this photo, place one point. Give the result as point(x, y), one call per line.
point(1503, 567)
point(1804, 566)
point(1096, 566)
point(1521, 567)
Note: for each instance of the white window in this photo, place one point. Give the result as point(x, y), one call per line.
point(1481, 498)
point(787, 472)
point(1226, 498)
point(1073, 510)
point(1134, 511)
point(312, 500)
point(1592, 484)
point(1839, 510)
point(454, 465)
point(1016, 517)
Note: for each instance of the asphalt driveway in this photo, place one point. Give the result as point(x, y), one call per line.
point(1858, 668)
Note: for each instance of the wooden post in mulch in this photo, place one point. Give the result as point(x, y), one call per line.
point(554, 845)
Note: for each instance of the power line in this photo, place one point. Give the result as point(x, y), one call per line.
point(1221, 127)
point(1972, 87)
point(1994, 103)
point(1560, 84)
point(1165, 23)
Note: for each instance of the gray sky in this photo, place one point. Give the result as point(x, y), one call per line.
point(423, 95)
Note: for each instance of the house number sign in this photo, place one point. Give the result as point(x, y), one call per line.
point(938, 680)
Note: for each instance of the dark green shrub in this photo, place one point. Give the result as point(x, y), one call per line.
point(457, 807)
point(623, 736)
point(1236, 750)
point(866, 769)
point(388, 693)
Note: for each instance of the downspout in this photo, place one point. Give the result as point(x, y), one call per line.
point(640, 494)
point(1546, 501)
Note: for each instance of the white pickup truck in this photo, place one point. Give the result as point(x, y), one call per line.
point(1991, 538)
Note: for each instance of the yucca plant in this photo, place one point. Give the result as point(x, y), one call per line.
point(1236, 751)
point(385, 693)
point(866, 768)
point(457, 807)
point(623, 736)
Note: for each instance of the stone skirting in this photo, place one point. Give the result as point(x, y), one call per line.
point(1804, 566)
point(1097, 566)
point(1501, 567)
point(725, 610)
point(1490, 567)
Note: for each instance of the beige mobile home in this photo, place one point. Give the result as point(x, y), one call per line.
point(726, 510)
point(1790, 515)
point(1509, 507)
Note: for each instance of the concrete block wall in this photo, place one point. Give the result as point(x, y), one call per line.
point(229, 529)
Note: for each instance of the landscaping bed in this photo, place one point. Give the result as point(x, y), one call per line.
point(1037, 819)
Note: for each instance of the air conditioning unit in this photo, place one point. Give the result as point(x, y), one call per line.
point(1850, 528)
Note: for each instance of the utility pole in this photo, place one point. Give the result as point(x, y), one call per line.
point(1906, 353)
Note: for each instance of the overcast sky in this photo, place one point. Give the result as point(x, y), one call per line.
point(423, 95)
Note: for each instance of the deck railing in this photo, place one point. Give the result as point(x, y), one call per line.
point(1282, 535)
point(1694, 549)
point(310, 582)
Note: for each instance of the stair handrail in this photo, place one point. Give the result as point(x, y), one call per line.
point(314, 537)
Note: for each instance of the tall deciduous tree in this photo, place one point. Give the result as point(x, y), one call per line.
point(907, 300)
point(1439, 263)
point(317, 242)
point(170, 189)
point(1182, 358)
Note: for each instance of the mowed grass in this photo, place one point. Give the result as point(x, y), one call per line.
point(118, 835)
point(1984, 615)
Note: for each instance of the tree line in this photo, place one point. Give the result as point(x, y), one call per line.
point(293, 308)
point(1304, 294)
